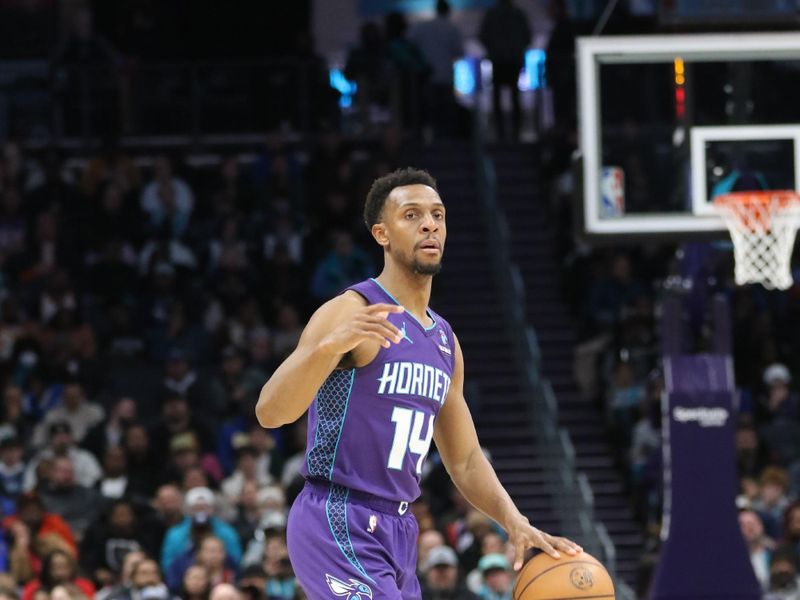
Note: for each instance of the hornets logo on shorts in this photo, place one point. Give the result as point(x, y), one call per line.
point(355, 590)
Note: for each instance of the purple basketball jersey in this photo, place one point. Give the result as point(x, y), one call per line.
point(370, 428)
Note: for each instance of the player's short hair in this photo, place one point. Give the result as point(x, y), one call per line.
point(383, 186)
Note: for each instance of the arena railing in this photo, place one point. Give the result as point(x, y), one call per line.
point(570, 490)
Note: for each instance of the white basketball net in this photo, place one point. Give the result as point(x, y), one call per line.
point(763, 229)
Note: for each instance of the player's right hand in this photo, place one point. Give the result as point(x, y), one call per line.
point(368, 323)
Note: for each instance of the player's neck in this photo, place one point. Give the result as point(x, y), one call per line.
point(411, 290)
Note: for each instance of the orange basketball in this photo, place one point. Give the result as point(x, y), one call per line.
point(565, 578)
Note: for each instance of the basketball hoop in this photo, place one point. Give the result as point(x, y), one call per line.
point(763, 226)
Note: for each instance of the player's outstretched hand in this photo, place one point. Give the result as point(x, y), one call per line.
point(368, 323)
point(524, 536)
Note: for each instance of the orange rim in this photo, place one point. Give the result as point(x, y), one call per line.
point(754, 210)
point(758, 197)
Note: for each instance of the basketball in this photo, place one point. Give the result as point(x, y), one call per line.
point(566, 578)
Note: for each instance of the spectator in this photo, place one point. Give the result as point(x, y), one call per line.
point(791, 526)
point(241, 383)
point(368, 65)
point(211, 556)
point(772, 500)
point(121, 589)
point(625, 395)
point(246, 512)
point(343, 265)
point(411, 70)
point(779, 402)
point(62, 444)
point(177, 418)
point(505, 33)
point(497, 577)
point(12, 466)
point(288, 331)
point(113, 166)
point(281, 584)
point(441, 43)
point(284, 234)
point(198, 521)
point(272, 524)
point(784, 583)
point(228, 250)
point(84, 64)
point(110, 538)
point(67, 591)
point(38, 528)
point(58, 568)
point(114, 483)
point(111, 432)
point(76, 410)
point(196, 584)
point(63, 495)
point(167, 512)
point(225, 591)
point(560, 69)
point(758, 544)
point(246, 471)
point(441, 581)
point(18, 417)
point(147, 582)
point(143, 466)
point(427, 541)
point(253, 582)
point(167, 199)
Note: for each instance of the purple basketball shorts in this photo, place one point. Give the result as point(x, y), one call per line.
point(346, 544)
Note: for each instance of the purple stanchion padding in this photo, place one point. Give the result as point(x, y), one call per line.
point(703, 554)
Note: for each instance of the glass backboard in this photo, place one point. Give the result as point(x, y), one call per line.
point(669, 122)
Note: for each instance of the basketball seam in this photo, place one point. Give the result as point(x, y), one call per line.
point(575, 562)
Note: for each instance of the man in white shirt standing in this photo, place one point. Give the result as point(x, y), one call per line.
point(62, 443)
point(442, 44)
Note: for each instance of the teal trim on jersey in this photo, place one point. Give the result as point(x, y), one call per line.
point(339, 511)
point(344, 416)
point(378, 283)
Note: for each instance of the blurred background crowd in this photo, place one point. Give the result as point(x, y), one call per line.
point(147, 293)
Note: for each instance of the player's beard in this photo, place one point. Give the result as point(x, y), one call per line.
point(420, 268)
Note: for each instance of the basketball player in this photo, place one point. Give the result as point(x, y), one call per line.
point(383, 375)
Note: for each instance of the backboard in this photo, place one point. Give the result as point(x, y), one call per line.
point(668, 122)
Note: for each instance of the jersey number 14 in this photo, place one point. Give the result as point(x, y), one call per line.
point(408, 435)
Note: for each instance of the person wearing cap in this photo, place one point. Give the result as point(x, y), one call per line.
point(498, 580)
point(12, 466)
point(198, 520)
point(779, 403)
point(62, 443)
point(440, 576)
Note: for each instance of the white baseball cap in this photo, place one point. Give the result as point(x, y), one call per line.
point(776, 373)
